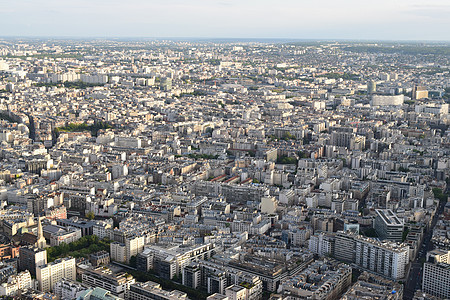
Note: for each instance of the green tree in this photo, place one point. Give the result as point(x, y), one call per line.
point(133, 261)
point(438, 194)
point(90, 215)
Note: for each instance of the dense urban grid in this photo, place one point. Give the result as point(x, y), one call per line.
point(221, 170)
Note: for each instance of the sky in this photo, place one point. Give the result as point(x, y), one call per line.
point(287, 19)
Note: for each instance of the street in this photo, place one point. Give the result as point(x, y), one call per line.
point(414, 281)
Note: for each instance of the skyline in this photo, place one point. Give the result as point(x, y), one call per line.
point(288, 19)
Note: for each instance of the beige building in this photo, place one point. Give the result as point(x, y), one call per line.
point(48, 275)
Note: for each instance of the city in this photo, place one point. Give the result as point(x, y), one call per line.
point(221, 170)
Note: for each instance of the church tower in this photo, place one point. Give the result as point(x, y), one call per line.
point(40, 243)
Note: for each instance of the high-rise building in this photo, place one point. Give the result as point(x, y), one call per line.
point(419, 92)
point(191, 276)
point(166, 84)
point(321, 244)
point(387, 100)
point(217, 283)
point(385, 258)
point(133, 246)
point(144, 260)
point(118, 252)
point(344, 247)
point(31, 257)
point(122, 252)
point(436, 274)
point(48, 275)
point(371, 87)
point(388, 226)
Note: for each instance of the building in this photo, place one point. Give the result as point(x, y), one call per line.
point(15, 283)
point(217, 296)
point(192, 276)
point(387, 100)
point(85, 226)
point(40, 242)
point(268, 205)
point(144, 260)
point(118, 252)
point(152, 290)
point(323, 279)
point(321, 244)
point(388, 226)
point(236, 292)
point(351, 226)
point(48, 275)
point(439, 256)
point(104, 278)
point(385, 258)
point(296, 237)
point(371, 87)
point(133, 246)
point(436, 274)
point(371, 286)
point(419, 92)
point(8, 252)
point(64, 235)
point(97, 294)
point(344, 247)
point(99, 258)
point(69, 289)
point(30, 258)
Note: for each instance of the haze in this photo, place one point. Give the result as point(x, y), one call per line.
point(320, 19)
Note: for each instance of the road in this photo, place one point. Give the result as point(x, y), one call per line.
point(414, 281)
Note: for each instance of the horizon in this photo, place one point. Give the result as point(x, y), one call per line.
point(399, 20)
point(223, 39)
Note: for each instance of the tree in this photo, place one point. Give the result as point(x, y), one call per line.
point(402, 169)
point(90, 215)
point(405, 233)
point(371, 232)
point(133, 261)
point(437, 192)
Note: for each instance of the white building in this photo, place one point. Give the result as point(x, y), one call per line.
point(15, 283)
point(236, 292)
point(386, 100)
point(66, 235)
point(320, 244)
point(68, 289)
point(118, 252)
point(388, 259)
point(48, 275)
point(133, 246)
point(436, 279)
point(268, 205)
point(100, 229)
